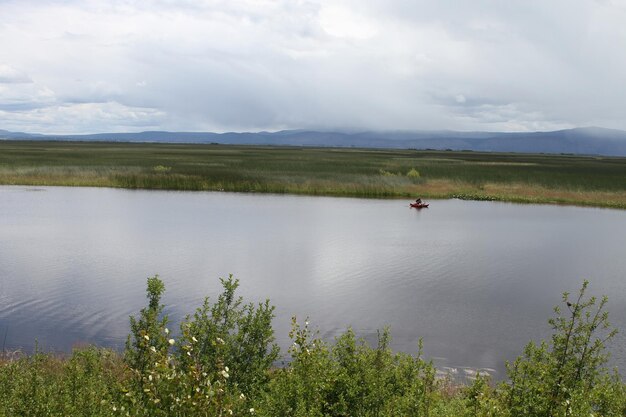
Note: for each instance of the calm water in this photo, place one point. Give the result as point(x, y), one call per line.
point(475, 280)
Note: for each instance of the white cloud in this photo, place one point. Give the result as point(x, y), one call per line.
point(24, 96)
point(260, 64)
point(81, 118)
point(10, 75)
point(343, 22)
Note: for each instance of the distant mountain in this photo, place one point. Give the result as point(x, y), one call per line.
point(588, 140)
point(5, 134)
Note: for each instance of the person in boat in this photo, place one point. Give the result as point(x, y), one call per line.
point(418, 201)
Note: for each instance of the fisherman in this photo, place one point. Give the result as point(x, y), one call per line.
point(418, 201)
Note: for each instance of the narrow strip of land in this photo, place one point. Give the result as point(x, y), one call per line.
point(524, 178)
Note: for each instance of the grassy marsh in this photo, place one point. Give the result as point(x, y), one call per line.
point(376, 173)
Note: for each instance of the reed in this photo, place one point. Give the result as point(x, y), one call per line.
point(523, 178)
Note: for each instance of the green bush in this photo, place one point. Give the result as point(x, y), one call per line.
point(413, 173)
point(385, 173)
point(148, 332)
point(567, 377)
point(349, 379)
point(222, 365)
point(86, 384)
point(161, 168)
point(230, 333)
point(196, 378)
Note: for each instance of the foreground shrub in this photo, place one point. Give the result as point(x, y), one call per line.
point(221, 365)
point(567, 377)
point(349, 379)
point(148, 332)
point(190, 377)
point(230, 333)
point(86, 384)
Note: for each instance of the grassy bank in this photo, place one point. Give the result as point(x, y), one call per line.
point(220, 363)
point(554, 179)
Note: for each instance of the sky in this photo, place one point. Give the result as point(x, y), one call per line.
point(93, 66)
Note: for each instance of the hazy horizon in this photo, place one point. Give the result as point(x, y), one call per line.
point(321, 130)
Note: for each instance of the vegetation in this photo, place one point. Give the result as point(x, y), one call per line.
point(556, 179)
point(220, 364)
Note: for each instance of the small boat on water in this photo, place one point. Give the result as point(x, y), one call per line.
point(419, 205)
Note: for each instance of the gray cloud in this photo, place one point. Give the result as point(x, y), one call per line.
point(261, 64)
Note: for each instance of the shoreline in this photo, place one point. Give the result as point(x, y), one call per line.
point(512, 199)
point(585, 181)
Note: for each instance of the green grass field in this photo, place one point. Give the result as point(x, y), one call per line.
point(376, 173)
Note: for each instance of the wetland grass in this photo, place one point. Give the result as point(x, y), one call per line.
point(373, 173)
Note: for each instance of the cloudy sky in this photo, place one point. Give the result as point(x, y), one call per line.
point(246, 65)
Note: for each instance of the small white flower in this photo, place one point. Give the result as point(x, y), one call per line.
point(153, 349)
point(149, 377)
point(224, 374)
point(226, 369)
point(145, 336)
point(242, 397)
point(194, 339)
point(252, 411)
point(219, 341)
point(171, 341)
point(167, 331)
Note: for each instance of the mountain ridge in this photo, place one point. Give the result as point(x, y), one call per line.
point(581, 140)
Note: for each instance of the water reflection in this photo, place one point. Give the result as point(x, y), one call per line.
point(475, 280)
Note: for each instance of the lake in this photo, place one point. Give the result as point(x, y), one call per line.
point(475, 280)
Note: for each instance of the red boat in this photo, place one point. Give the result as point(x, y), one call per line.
point(419, 205)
